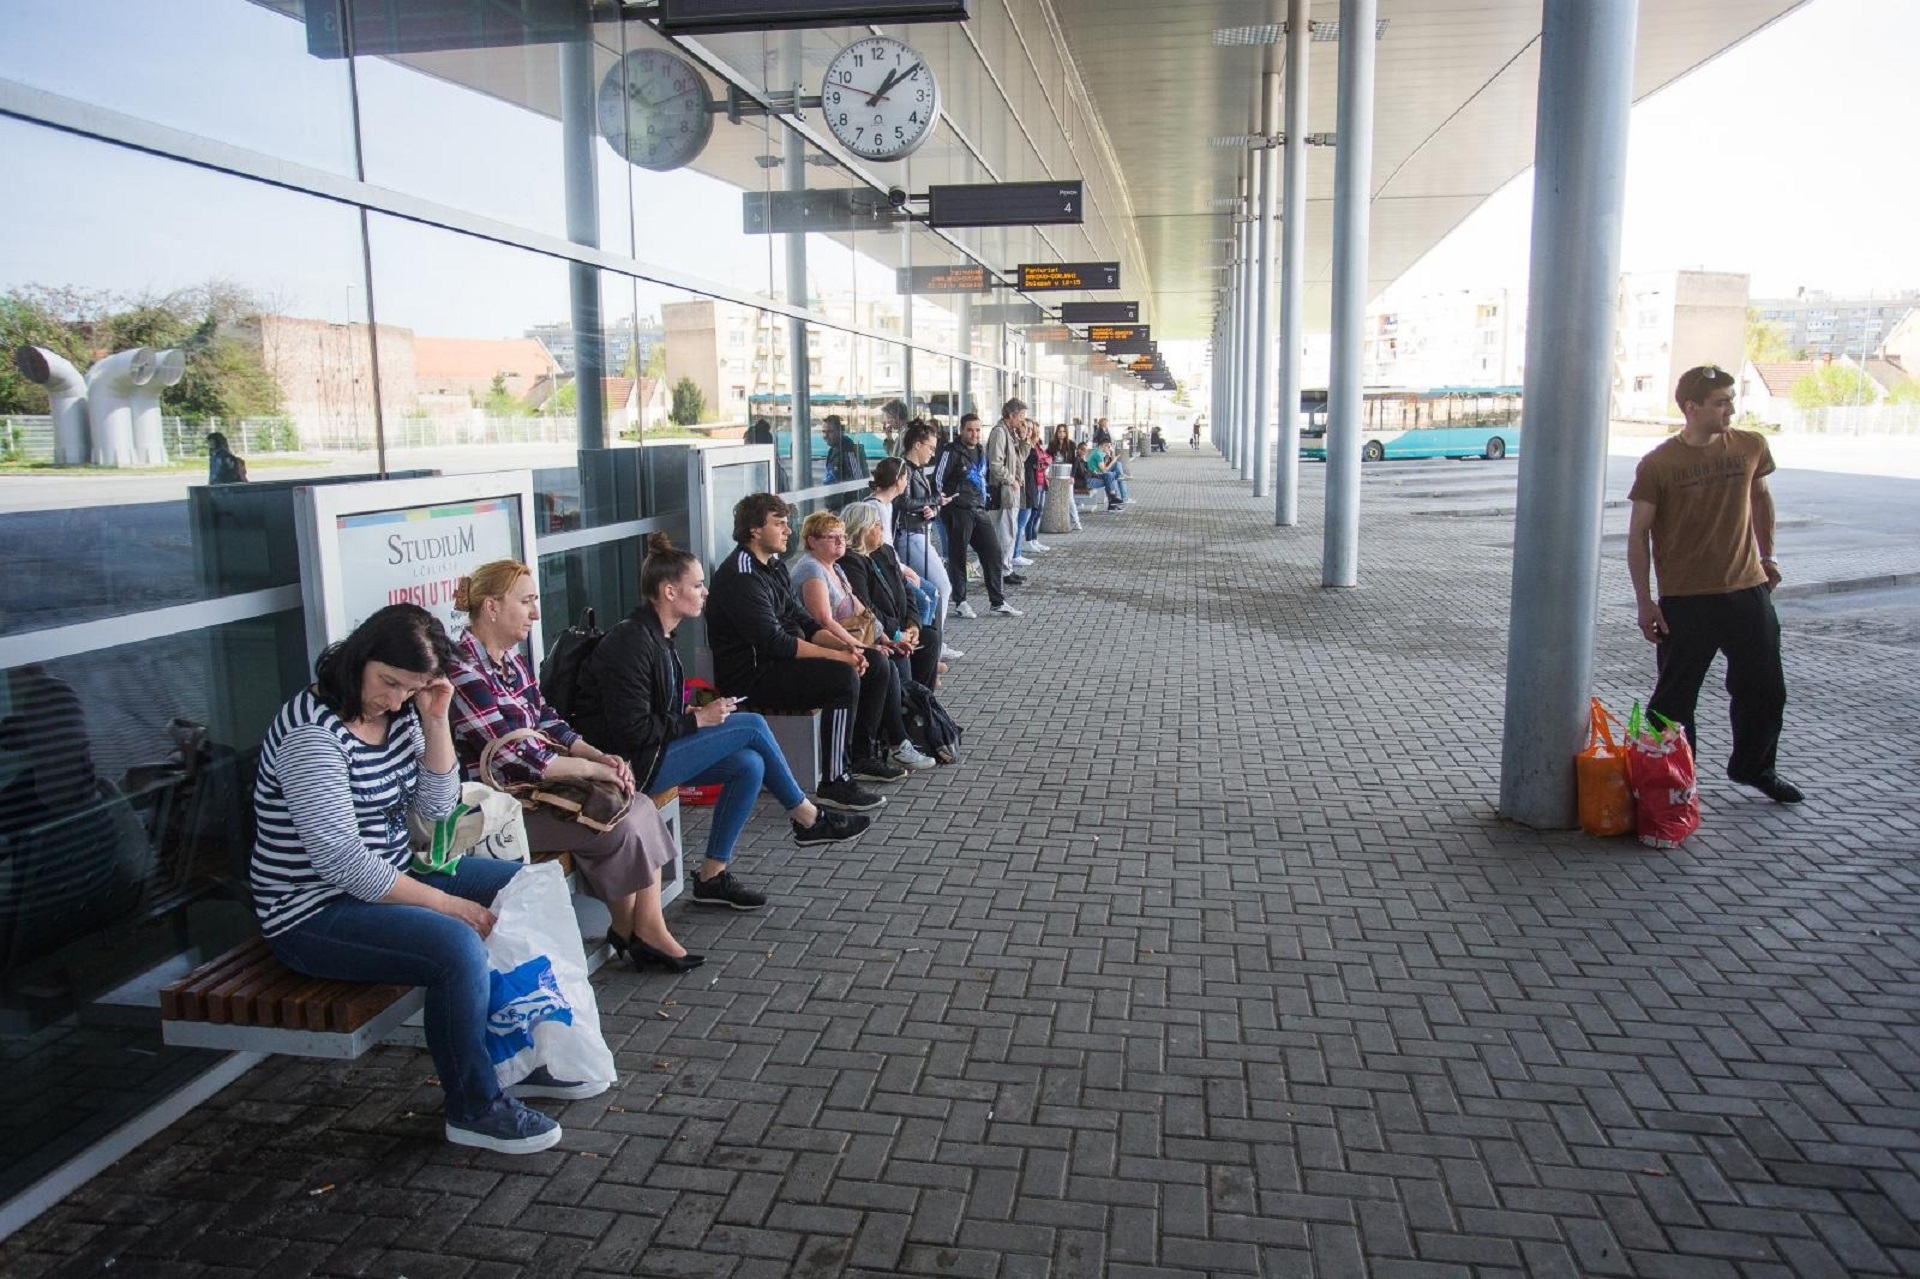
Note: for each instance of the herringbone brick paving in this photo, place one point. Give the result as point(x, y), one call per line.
point(1210, 958)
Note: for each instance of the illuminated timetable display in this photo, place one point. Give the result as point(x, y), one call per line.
point(1099, 313)
point(942, 279)
point(1118, 332)
point(1043, 277)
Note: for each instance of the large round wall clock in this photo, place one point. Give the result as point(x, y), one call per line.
point(880, 99)
point(655, 109)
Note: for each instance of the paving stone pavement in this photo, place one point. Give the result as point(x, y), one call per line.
point(1210, 958)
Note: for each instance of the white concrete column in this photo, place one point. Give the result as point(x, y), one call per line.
point(1352, 191)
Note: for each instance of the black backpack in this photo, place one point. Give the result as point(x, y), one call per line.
point(560, 673)
point(928, 724)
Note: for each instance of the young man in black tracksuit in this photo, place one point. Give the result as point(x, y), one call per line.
point(769, 652)
point(961, 474)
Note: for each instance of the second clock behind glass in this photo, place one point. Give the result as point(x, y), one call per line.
point(655, 109)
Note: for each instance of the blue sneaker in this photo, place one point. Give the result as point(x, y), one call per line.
point(506, 1127)
point(540, 1083)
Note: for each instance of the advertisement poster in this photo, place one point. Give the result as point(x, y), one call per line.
point(417, 555)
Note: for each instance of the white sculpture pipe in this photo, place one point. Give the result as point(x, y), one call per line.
point(149, 444)
point(67, 392)
point(111, 385)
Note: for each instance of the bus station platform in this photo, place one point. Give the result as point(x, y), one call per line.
point(1210, 957)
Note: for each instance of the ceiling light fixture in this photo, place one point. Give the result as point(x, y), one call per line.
point(1267, 33)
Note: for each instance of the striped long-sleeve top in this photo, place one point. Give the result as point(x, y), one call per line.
point(332, 810)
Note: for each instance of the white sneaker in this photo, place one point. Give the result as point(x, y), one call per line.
point(1007, 610)
point(965, 609)
point(949, 653)
point(1021, 561)
point(1042, 547)
point(907, 755)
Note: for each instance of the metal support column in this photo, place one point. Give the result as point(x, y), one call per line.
point(963, 388)
point(1268, 161)
point(1352, 190)
point(1579, 191)
point(1249, 277)
point(1293, 266)
point(578, 132)
point(800, 377)
point(1230, 425)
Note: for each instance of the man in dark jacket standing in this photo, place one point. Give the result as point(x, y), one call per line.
point(961, 474)
point(769, 652)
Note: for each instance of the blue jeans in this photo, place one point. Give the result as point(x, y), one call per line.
point(739, 756)
point(352, 940)
point(1112, 482)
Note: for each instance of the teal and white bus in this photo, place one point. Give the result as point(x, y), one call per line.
point(1447, 421)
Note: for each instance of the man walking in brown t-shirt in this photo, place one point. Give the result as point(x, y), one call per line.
point(1703, 521)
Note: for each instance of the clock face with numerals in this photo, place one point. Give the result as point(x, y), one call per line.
point(880, 99)
point(655, 109)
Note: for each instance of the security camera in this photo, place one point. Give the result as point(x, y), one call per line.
point(897, 197)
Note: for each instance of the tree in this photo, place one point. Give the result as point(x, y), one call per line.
point(1833, 384)
point(1906, 392)
point(688, 404)
point(501, 402)
point(1766, 341)
point(656, 366)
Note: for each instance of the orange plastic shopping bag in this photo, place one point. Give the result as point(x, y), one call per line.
point(1606, 786)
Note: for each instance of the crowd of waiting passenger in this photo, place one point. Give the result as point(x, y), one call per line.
point(853, 627)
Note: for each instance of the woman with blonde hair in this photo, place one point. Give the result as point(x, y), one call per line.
point(882, 751)
point(494, 694)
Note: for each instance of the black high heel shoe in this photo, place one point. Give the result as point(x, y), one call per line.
point(645, 957)
point(618, 943)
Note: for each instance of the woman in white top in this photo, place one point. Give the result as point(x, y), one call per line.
point(885, 752)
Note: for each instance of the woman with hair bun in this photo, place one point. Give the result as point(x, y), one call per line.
point(344, 764)
point(495, 693)
point(630, 697)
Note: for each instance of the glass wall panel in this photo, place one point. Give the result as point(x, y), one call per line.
point(124, 838)
point(231, 70)
point(260, 294)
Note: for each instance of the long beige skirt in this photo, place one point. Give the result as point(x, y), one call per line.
point(611, 864)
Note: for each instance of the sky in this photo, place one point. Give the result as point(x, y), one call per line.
point(1808, 131)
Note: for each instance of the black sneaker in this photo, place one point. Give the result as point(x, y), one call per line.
point(1772, 785)
point(831, 828)
point(724, 890)
point(877, 768)
point(1013, 579)
point(848, 796)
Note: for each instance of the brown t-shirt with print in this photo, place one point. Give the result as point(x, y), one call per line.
point(1703, 521)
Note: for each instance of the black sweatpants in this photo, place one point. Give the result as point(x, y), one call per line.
point(970, 526)
point(1743, 625)
point(851, 705)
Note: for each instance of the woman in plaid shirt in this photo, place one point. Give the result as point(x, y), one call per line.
point(495, 693)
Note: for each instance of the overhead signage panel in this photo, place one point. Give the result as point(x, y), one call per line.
point(835, 209)
point(1050, 333)
point(1099, 313)
point(971, 278)
point(1008, 313)
point(1145, 364)
point(382, 28)
point(1047, 277)
point(1006, 204)
point(694, 17)
point(1132, 346)
point(1118, 332)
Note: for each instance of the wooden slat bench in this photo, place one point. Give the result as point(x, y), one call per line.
point(246, 1000)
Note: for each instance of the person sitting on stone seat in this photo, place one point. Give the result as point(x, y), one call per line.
point(882, 751)
point(630, 698)
point(768, 651)
point(1103, 472)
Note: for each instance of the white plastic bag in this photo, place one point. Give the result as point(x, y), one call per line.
point(485, 823)
point(541, 1010)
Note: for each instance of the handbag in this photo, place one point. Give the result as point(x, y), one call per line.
point(485, 823)
point(595, 804)
point(862, 627)
point(1605, 783)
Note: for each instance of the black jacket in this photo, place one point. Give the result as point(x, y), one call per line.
point(754, 619)
point(907, 507)
point(877, 584)
point(629, 696)
point(951, 470)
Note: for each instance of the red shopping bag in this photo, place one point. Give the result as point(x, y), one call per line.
point(697, 692)
point(1605, 782)
point(1665, 800)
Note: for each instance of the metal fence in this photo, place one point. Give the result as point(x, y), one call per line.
point(1850, 419)
point(28, 439)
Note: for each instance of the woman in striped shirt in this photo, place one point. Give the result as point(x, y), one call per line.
point(344, 764)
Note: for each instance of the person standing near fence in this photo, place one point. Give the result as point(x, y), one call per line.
point(1703, 519)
